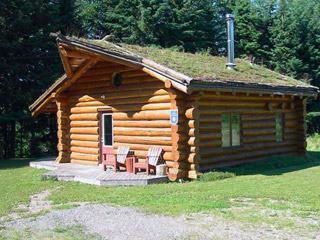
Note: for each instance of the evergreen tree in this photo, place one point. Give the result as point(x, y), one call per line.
point(29, 64)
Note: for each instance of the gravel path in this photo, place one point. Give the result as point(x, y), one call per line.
point(122, 223)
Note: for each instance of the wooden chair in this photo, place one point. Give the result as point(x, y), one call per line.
point(122, 158)
point(108, 158)
point(153, 158)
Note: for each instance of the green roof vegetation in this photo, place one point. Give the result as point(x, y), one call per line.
point(204, 67)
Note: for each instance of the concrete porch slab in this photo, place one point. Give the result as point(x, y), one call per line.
point(94, 174)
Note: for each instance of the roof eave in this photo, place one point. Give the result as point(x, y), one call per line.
point(254, 88)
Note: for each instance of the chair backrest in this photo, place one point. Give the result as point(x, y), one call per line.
point(109, 154)
point(122, 154)
point(154, 154)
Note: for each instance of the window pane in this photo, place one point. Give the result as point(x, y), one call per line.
point(235, 124)
point(279, 131)
point(225, 130)
point(107, 120)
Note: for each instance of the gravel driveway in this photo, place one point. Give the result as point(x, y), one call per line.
point(123, 223)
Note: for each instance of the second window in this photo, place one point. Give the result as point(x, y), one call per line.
point(231, 130)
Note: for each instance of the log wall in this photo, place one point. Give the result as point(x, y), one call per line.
point(63, 129)
point(141, 116)
point(258, 113)
point(141, 119)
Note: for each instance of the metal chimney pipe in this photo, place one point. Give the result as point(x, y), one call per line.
point(230, 23)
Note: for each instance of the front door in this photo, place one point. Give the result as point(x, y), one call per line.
point(106, 137)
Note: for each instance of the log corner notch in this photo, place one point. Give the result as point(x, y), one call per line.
point(187, 166)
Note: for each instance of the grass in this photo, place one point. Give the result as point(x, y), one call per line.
point(73, 232)
point(313, 142)
point(18, 182)
point(277, 184)
point(204, 66)
point(295, 184)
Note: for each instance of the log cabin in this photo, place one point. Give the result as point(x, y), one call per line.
point(201, 114)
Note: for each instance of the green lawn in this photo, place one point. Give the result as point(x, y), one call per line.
point(270, 184)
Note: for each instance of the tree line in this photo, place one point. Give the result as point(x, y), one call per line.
point(283, 35)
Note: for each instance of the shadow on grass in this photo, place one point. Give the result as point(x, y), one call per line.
point(18, 162)
point(15, 163)
point(276, 165)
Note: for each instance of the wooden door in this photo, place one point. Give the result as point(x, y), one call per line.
point(106, 138)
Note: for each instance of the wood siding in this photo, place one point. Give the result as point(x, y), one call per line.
point(141, 119)
point(141, 116)
point(258, 130)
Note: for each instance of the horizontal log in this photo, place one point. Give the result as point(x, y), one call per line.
point(84, 123)
point(123, 101)
point(86, 157)
point(204, 127)
point(143, 115)
point(243, 97)
point(247, 155)
point(213, 104)
point(144, 140)
point(85, 86)
point(141, 124)
point(264, 117)
point(210, 118)
point(92, 79)
point(206, 152)
point(85, 150)
point(89, 144)
point(258, 124)
point(123, 89)
point(85, 130)
point(103, 64)
point(163, 132)
point(259, 139)
point(210, 144)
point(210, 136)
point(116, 95)
point(259, 132)
point(290, 123)
point(133, 73)
point(84, 162)
point(292, 136)
point(84, 137)
point(181, 165)
point(87, 116)
point(106, 70)
point(124, 108)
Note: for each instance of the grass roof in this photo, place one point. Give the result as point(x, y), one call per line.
point(202, 66)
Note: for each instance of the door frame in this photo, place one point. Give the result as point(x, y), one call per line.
point(102, 112)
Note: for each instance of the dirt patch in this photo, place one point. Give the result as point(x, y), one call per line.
point(124, 223)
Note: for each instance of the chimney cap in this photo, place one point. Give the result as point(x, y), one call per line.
point(230, 16)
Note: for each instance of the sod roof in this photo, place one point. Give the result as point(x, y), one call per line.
point(202, 67)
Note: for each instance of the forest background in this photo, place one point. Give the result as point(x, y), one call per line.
point(283, 35)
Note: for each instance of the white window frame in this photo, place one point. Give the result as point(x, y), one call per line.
point(102, 135)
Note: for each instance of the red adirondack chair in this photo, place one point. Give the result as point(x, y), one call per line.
point(153, 158)
point(121, 159)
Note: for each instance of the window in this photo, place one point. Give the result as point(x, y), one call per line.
point(107, 130)
point(279, 127)
point(231, 130)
